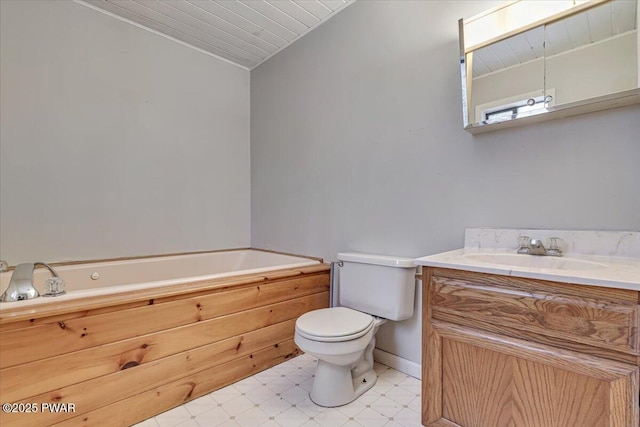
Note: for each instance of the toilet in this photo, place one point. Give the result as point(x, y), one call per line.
point(373, 289)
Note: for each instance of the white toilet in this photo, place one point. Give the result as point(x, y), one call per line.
point(373, 289)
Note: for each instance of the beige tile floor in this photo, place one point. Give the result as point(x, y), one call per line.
point(279, 397)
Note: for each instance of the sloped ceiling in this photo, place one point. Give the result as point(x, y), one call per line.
point(244, 32)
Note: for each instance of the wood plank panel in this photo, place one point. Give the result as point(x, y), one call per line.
point(249, 14)
point(145, 405)
point(276, 15)
point(199, 28)
point(296, 11)
point(333, 4)
point(18, 382)
point(198, 10)
point(76, 334)
point(218, 12)
point(119, 300)
point(93, 394)
point(238, 293)
point(160, 349)
point(80, 333)
point(23, 318)
point(150, 13)
point(315, 8)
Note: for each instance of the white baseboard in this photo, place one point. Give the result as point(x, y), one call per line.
point(398, 363)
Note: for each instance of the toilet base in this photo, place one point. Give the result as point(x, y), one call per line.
point(339, 384)
point(335, 385)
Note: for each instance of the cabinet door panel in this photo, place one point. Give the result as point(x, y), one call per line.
point(487, 388)
point(476, 383)
point(548, 396)
point(492, 381)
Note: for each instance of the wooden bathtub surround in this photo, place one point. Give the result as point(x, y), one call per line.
point(124, 360)
point(506, 351)
point(32, 314)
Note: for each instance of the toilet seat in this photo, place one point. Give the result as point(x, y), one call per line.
point(335, 324)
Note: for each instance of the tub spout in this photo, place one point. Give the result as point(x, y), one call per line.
point(21, 285)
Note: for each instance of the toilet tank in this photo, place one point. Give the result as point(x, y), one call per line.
point(383, 286)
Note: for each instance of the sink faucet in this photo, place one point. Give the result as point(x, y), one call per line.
point(536, 247)
point(21, 283)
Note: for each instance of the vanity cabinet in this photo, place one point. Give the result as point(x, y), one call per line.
point(507, 351)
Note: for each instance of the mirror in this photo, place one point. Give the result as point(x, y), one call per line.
point(574, 62)
point(593, 53)
point(508, 78)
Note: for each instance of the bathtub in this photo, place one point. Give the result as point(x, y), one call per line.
point(91, 279)
point(132, 338)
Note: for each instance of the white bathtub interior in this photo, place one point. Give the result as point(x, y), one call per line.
point(108, 277)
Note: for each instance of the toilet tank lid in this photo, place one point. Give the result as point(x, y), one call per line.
point(389, 261)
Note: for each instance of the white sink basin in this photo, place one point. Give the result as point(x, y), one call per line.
point(533, 261)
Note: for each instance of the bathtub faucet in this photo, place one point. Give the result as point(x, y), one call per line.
point(21, 284)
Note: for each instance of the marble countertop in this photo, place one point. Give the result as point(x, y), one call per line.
point(606, 271)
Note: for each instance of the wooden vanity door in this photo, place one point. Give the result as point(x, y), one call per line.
point(473, 378)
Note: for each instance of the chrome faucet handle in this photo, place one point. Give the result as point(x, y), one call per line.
point(523, 244)
point(54, 287)
point(554, 246)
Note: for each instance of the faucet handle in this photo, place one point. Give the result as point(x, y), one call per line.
point(523, 244)
point(4, 266)
point(554, 246)
point(53, 287)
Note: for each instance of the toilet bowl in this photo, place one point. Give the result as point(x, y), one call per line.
point(372, 290)
point(343, 341)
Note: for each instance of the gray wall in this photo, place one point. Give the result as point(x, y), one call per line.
point(116, 141)
point(357, 145)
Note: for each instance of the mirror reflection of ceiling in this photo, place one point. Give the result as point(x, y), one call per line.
point(596, 24)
